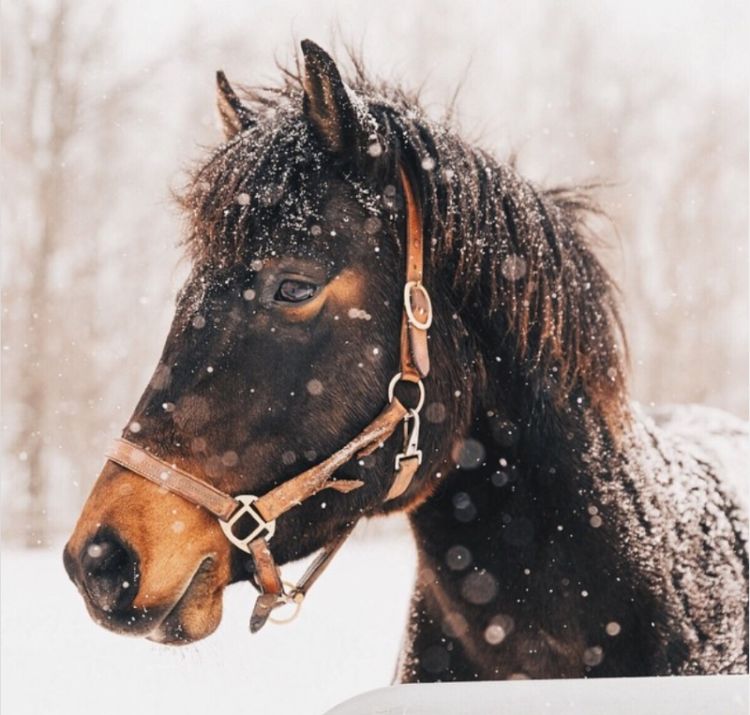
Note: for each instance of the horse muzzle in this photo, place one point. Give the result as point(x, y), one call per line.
point(106, 573)
point(146, 562)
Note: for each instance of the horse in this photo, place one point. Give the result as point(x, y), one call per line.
point(383, 318)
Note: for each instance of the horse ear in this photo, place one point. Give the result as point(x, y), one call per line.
point(326, 101)
point(235, 116)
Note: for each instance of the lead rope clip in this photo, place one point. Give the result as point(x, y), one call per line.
point(411, 440)
point(267, 603)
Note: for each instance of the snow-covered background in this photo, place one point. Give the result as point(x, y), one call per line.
point(105, 103)
point(344, 642)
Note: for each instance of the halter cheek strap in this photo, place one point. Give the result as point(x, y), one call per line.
point(417, 315)
point(264, 510)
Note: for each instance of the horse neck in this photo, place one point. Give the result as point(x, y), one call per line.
point(505, 553)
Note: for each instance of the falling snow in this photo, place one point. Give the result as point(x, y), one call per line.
point(315, 387)
point(458, 558)
point(613, 628)
point(513, 268)
point(428, 163)
point(593, 656)
point(95, 551)
point(435, 412)
point(479, 587)
point(358, 314)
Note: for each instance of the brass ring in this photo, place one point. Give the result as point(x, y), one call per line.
point(392, 388)
point(288, 598)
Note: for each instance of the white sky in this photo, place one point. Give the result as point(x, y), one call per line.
point(692, 38)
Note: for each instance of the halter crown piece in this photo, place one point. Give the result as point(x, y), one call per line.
point(264, 510)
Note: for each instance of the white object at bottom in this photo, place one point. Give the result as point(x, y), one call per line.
point(679, 695)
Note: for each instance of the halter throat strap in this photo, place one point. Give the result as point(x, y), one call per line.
point(414, 365)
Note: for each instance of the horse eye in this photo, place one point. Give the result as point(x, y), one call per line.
point(291, 291)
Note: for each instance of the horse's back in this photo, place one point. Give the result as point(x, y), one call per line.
point(715, 438)
point(689, 468)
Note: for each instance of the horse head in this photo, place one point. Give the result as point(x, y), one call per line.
point(284, 341)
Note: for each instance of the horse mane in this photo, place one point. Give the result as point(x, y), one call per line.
point(517, 260)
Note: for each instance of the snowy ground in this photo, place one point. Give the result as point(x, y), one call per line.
point(346, 641)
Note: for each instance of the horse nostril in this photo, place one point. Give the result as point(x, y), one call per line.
point(109, 570)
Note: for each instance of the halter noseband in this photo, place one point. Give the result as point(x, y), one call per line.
point(264, 510)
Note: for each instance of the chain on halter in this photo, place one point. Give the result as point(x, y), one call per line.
point(264, 510)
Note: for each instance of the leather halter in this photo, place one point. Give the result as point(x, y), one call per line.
point(264, 510)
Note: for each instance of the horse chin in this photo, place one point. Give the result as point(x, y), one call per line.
point(196, 614)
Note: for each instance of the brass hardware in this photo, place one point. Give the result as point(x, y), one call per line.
point(263, 528)
point(392, 388)
point(411, 440)
point(424, 323)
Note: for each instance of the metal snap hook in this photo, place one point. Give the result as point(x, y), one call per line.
point(411, 440)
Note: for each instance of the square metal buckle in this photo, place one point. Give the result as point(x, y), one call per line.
point(263, 528)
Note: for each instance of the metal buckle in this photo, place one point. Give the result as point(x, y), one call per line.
point(413, 320)
point(246, 507)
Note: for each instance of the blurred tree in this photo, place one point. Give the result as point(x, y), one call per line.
point(668, 155)
point(65, 103)
point(39, 141)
